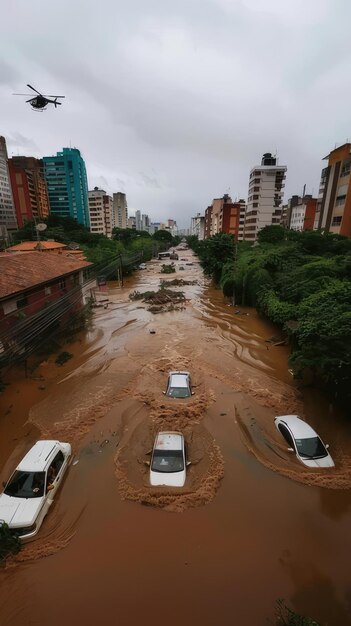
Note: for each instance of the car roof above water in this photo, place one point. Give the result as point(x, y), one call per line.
point(179, 379)
point(171, 440)
point(299, 428)
point(38, 456)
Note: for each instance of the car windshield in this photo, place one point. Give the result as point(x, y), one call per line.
point(178, 392)
point(26, 485)
point(311, 448)
point(167, 461)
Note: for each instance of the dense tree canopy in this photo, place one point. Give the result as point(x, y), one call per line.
point(301, 281)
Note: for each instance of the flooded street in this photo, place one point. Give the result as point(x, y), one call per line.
point(251, 524)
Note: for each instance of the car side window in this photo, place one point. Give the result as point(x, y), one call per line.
point(58, 461)
point(286, 434)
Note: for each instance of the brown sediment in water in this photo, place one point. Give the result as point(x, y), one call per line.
point(108, 402)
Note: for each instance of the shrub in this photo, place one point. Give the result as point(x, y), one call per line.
point(9, 542)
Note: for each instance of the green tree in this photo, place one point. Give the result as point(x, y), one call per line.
point(163, 235)
point(215, 253)
point(271, 234)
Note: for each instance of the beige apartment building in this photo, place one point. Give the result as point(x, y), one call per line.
point(333, 213)
point(120, 210)
point(266, 190)
point(100, 212)
point(8, 220)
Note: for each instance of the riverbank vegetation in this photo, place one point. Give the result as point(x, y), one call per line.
point(301, 281)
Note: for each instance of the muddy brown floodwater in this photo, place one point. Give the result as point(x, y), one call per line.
point(250, 525)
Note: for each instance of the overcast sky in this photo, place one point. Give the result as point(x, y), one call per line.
point(173, 101)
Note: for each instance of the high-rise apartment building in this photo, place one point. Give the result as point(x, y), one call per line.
point(131, 222)
point(120, 210)
point(67, 184)
point(265, 196)
point(138, 220)
point(100, 212)
point(333, 212)
point(197, 226)
point(29, 189)
point(8, 221)
point(242, 213)
point(208, 222)
point(145, 222)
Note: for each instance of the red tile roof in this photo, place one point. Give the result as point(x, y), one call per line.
point(27, 246)
point(20, 272)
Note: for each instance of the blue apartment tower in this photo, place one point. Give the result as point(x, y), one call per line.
point(67, 183)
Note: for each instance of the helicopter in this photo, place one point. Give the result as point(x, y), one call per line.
point(40, 101)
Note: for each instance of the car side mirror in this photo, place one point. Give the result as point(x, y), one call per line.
point(147, 463)
point(50, 487)
point(290, 449)
point(188, 463)
point(327, 445)
point(164, 393)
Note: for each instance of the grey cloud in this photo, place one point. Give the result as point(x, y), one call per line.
point(175, 102)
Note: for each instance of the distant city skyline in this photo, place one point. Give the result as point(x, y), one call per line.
point(171, 103)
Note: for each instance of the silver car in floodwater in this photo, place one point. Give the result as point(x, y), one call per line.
point(168, 462)
point(304, 441)
point(179, 385)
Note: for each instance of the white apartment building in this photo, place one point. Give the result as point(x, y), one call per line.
point(197, 226)
point(297, 218)
point(145, 221)
point(8, 220)
point(138, 220)
point(265, 196)
point(100, 212)
point(120, 210)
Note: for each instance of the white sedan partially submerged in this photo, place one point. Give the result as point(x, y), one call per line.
point(178, 385)
point(168, 463)
point(32, 487)
point(304, 441)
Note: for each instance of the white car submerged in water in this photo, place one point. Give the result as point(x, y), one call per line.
point(304, 441)
point(178, 385)
point(32, 487)
point(168, 463)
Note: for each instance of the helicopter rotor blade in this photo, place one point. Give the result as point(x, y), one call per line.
point(31, 99)
point(30, 87)
point(51, 96)
point(22, 94)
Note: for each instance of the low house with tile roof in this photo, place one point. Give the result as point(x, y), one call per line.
point(41, 246)
point(33, 285)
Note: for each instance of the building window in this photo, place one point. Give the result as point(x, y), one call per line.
point(62, 283)
point(340, 201)
point(22, 302)
point(47, 291)
point(336, 220)
point(255, 205)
